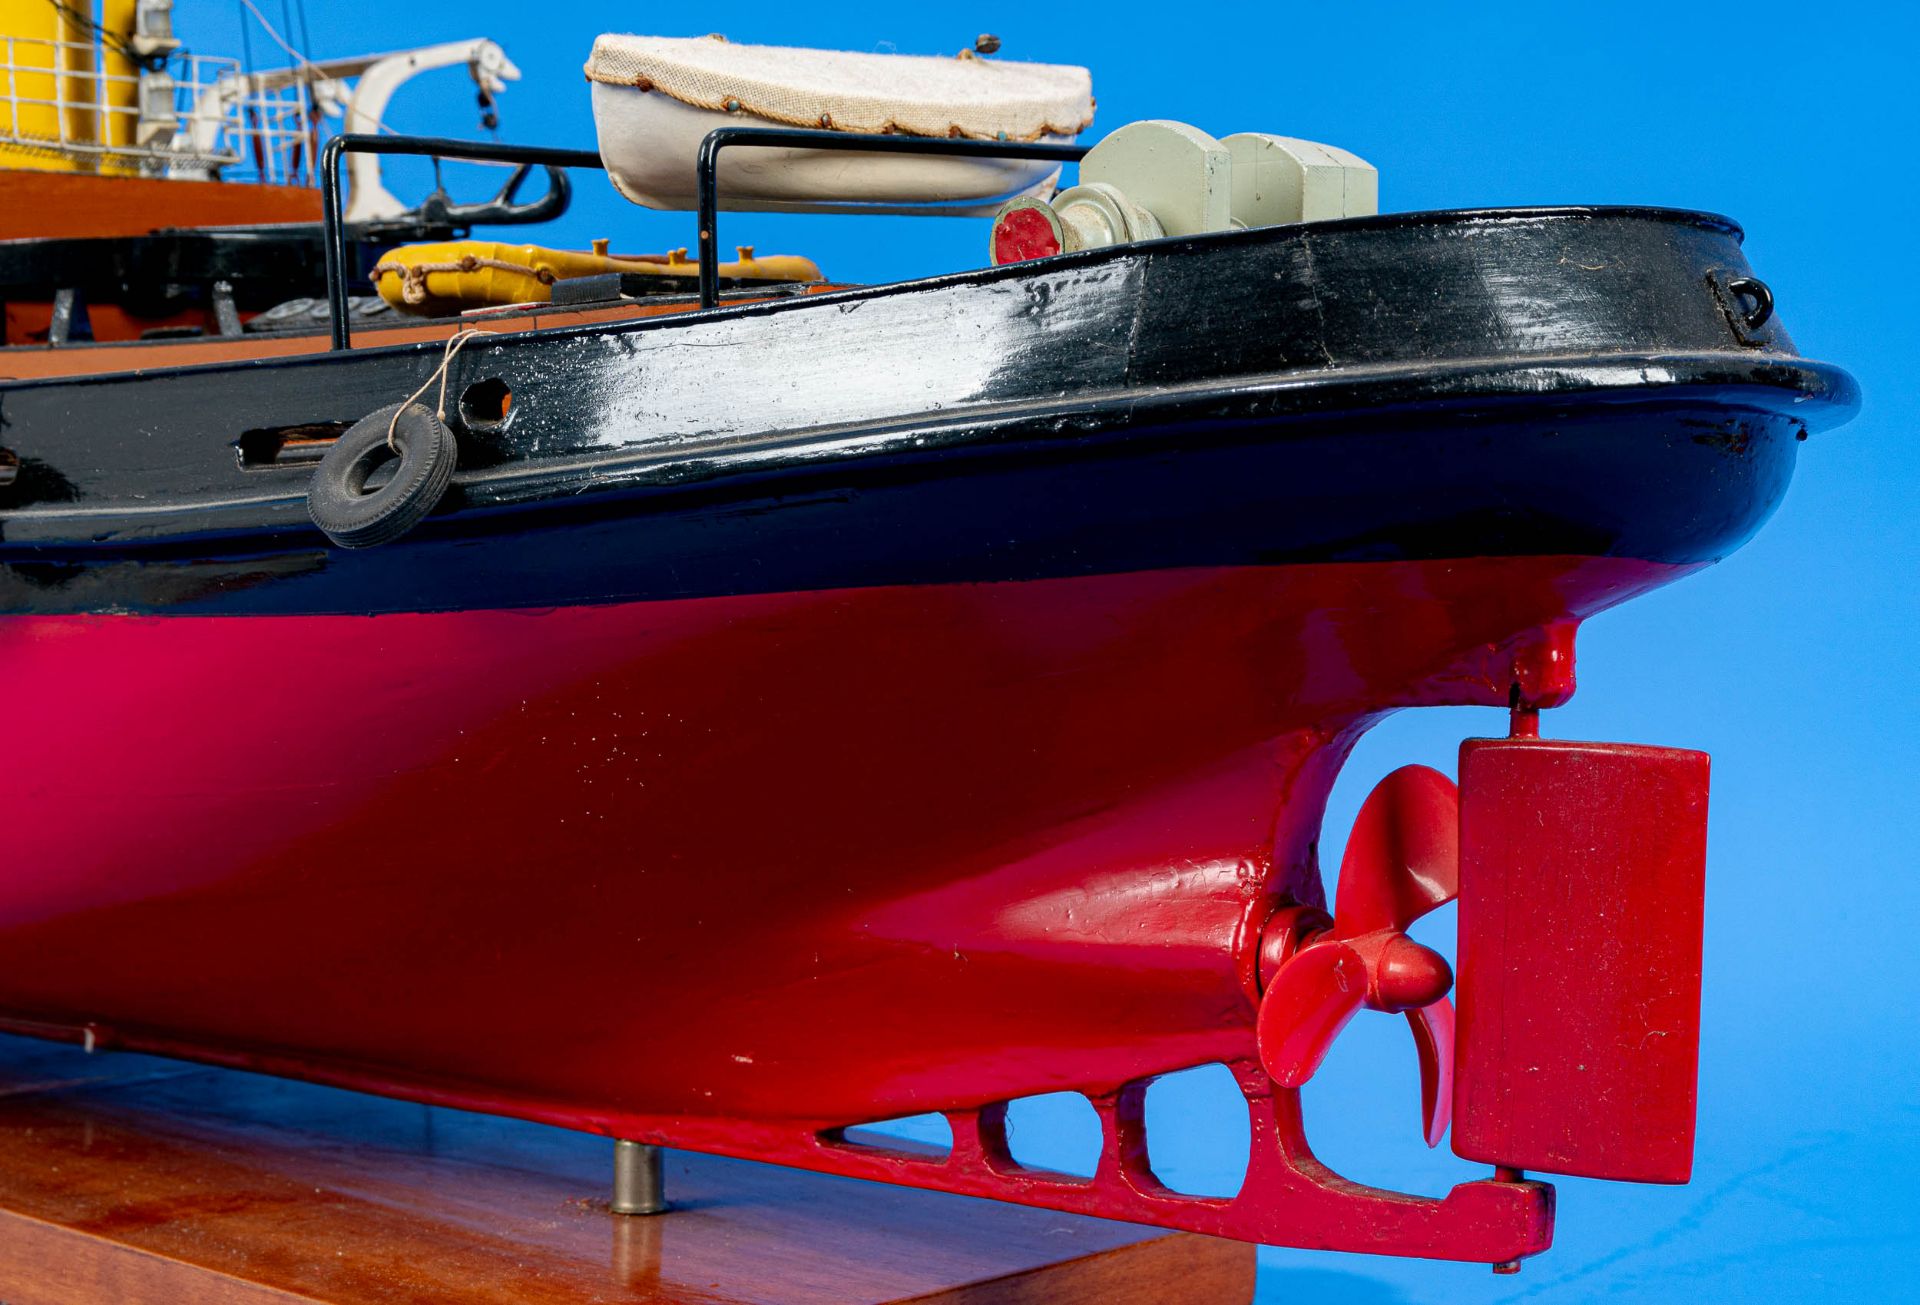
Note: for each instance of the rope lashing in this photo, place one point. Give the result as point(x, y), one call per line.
point(455, 344)
point(413, 276)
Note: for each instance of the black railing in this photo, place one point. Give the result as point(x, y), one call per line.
point(425, 146)
point(708, 182)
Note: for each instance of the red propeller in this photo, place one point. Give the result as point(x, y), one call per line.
point(1402, 861)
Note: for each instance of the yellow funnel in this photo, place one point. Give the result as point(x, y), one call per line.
point(47, 87)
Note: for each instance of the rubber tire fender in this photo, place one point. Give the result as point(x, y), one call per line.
point(338, 499)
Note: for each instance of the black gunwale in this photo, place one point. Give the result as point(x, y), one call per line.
point(1809, 394)
point(1214, 399)
point(1698, 219)
point(1674, 478)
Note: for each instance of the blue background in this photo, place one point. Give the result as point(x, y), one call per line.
point(1790, 662)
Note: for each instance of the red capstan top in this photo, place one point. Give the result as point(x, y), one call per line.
point(1022, 233)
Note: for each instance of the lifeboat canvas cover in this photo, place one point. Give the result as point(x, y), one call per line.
point(655, 99)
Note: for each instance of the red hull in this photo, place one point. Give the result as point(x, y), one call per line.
point(734, 872)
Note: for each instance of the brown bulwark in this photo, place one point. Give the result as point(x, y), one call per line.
point(71, 205)
point(130, 1179)
point(30, 362)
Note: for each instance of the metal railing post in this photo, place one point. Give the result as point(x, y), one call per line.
point(707, 168)
point(333, 222)
point(334, 241)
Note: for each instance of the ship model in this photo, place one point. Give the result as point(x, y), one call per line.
point(722, 708)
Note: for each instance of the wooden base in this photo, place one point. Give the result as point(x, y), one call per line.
point(129, 1179)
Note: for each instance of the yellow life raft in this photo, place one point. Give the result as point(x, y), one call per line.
point(442, 279)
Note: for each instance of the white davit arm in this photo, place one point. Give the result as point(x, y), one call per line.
point(382, 75)
point(375, 77)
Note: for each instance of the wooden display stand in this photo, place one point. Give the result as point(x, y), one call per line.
point(130, 1179)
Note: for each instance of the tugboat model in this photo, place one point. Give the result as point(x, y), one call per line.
point(726, 721)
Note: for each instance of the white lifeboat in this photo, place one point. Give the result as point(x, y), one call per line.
point(656, 98)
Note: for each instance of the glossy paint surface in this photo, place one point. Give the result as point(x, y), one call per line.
point(1402, 862)
point(1777, 662)
point(932, 715)
point(1415, 319)
point(1582, 888)
point(736, 873)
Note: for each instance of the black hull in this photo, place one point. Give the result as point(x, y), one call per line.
point(1574, 381)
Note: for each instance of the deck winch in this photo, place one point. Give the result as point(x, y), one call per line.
point(1156, 178)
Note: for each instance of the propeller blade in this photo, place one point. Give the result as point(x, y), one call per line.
point(1433, 1038)
point(1312, 997)
point(1403, 857)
